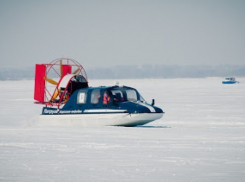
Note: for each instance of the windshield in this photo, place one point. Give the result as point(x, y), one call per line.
point(131, 95)
point(142, 99)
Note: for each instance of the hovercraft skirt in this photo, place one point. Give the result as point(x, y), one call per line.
point(96, 120)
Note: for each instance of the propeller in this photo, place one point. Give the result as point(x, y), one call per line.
point(58, 90)
point(61, 69)
point(61, 75)
point(56, 94)
point(51, 81)
point(75, 72)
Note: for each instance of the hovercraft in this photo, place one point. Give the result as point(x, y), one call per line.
point(70, 101)
point(229, 80)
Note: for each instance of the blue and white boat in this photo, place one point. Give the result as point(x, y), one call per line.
point(98, 106)
point(229, 80)
point(74, 103)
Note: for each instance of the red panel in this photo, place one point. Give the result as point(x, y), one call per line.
point(39, 82)
point(66, 69)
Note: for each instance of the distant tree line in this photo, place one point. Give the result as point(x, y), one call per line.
point(17, 74)
point(166, 71)
point(144, 71)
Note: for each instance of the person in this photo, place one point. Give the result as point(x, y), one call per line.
point(106, 98)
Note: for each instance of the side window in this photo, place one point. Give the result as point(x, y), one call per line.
point(107, 97)
point(81, 97)
point(95, 95)
point(131, 95)
point(118, 95)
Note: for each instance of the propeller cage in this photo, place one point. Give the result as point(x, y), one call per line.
point(48, 78)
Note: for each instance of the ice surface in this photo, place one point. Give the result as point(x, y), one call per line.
point(200, 138)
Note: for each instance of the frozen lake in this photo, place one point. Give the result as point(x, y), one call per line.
point(201, 137)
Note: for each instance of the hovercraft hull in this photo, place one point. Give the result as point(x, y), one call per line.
point(229, 82)
point(96, 120)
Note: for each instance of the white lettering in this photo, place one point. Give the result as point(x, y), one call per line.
point(51, 111)
point(47, 111)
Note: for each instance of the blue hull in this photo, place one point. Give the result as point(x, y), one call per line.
point(229, 82)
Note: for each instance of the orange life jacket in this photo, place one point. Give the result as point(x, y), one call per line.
point(106, 99)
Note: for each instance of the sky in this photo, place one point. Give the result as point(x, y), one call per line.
point(122, 32)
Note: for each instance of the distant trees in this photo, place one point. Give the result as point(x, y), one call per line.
point(144, 71)
point(166, 71)
point(17, 74)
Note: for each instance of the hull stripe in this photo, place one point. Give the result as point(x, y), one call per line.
point(149, 107)
point(103, 111)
